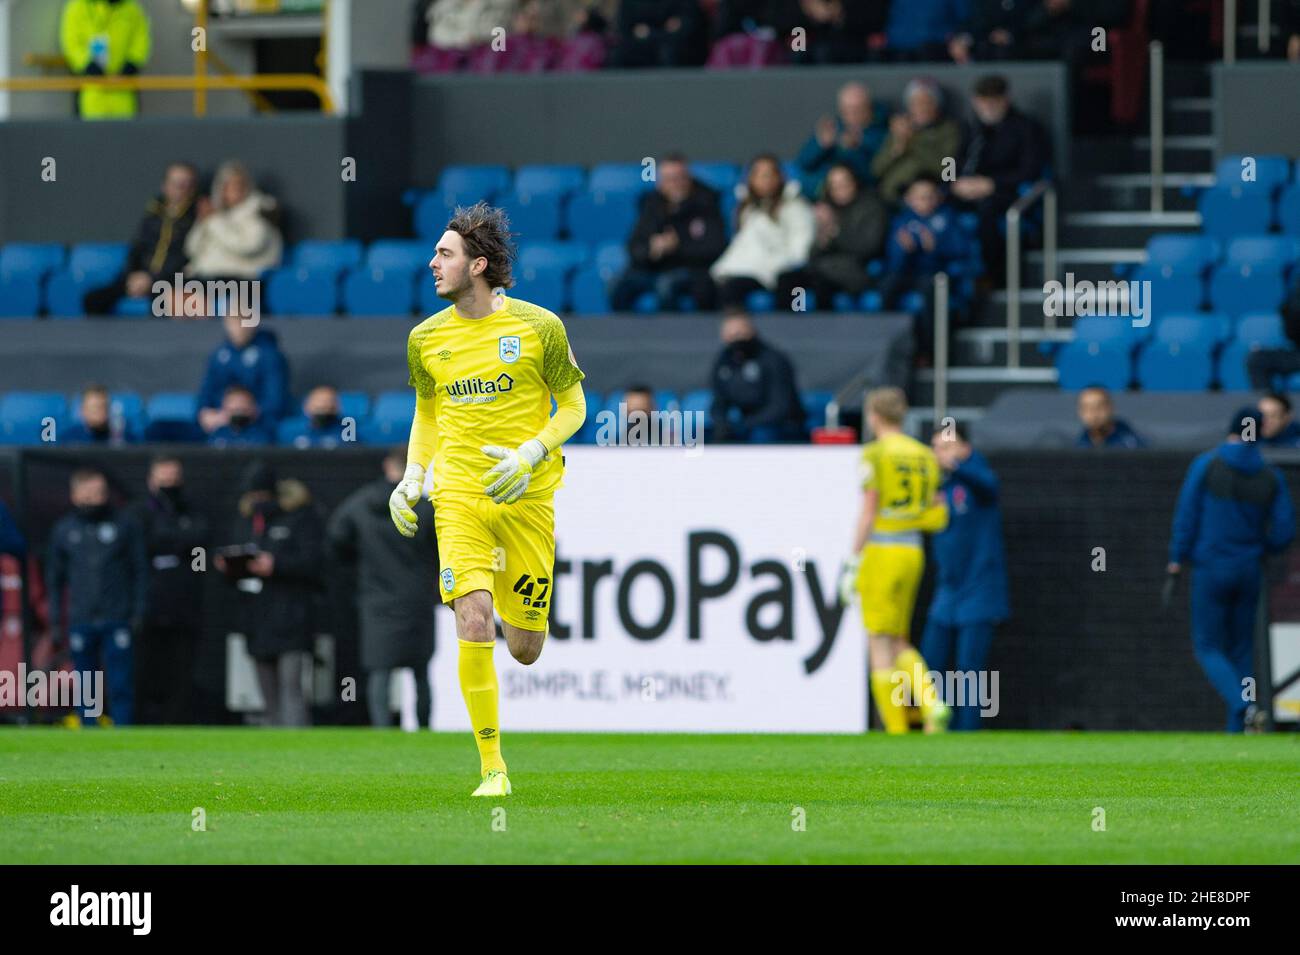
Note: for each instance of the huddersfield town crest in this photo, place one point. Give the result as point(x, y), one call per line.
point(508, 347)
point(448, 580)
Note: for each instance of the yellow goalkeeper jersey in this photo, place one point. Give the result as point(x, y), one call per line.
point(906, 473)
point(491, 380)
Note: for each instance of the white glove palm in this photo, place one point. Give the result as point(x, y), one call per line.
point(404, 496)
point(507, 481)
point(848, 583)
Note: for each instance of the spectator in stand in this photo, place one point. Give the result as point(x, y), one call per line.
point(755, 399)
point(250, 356)
point(835, 31)
point(851, 224)
point(102, 421)
point(660, 33)
point(558, 19)
point(1268, 366)
point(924, 239)
point(235, 235)
point(1278, 428)
point(1101, 429)
point(774, 234)
point(1004, 148)
point(278, 577)
point(1034, 29)
point(970, 594)
point(98, 552)
point(244, 426)
point(921, 29)
point(12, 541)
point(394, 598)
point(464, 24)
point(678, 235)
point(174, 615)
point(920, 139)
point(324, 420)
point(105, 38)
point(852, 137)
point(1289, 21)
point(158, 247)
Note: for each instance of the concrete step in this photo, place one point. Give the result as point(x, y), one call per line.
point(980, 387)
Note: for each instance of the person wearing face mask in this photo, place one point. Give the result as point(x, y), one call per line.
point(755, 399)
point(324, 420)
point(250, 356)
point(245, 427)
point(173, 615)
point(105, 38)
point(98, 554)
point(278, 586)
point(100, 422)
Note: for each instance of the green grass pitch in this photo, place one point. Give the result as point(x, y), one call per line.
point(357, 795)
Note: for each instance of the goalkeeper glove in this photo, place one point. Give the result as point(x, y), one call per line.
point(849, 580)
point(507, 482)
point(403, 497)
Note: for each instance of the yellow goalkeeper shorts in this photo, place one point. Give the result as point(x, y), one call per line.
point(506, 549)
point(888, 578)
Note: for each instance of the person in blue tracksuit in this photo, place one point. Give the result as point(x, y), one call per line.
point(1233, 509)
point(970, 596)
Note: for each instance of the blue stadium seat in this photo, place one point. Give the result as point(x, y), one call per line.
point(294, 291)
point(1083, 363)
point(291, 428)
point(20, 295)
point(430, 215)
point(1212, 329)
point(427, 301)
point(535, 216)
point(394, 406)
point(1184, 252)
point(561, 257)
point(1288, 209)
point(32, 259)
point(546, 288)
point(90, 265)
point(722, 176)
point(99, 259)
point(377, 292)
point(22, 414)
point(322, 255)
point(1240, 209)
point(1172, 289)
point(468, 184)
point(617, 177)
point(760, 301)
point(1263, 330)
point(1237, 288)
point(354, 404)
point(699, 401)
point(1270, 171)
point(814, 406)
point(1101, 328)
point(601, 216)
point(172, 406)
point(542, 180)
point(1176, 366)
point(396, 255)
point(589, 291)
point(1281, 251)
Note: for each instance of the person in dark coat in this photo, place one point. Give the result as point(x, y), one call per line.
point(660, 33)
point(970, 596)
point(851, 223)
point(279, 530)
point(1233, 510)
point(678, 235)
point(1004, 149)
point(98, 552)
point(158, 248)
point(1100, 428)
point(851, 137)
point(755, 399)
point(174, 615)
point(102, 421)
point(1278, 427)
point(395, 588)
point(250, 356)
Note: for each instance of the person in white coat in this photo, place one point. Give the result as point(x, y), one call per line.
point(774, 234)
point(235, 236)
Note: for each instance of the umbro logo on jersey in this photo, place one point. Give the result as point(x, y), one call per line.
point(479, 389)
point(444, 355)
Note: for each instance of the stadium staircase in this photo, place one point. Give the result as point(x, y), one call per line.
point(1105, 220)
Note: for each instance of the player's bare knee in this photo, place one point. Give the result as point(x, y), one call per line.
point(527, 653)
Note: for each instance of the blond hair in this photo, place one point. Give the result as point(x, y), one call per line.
point(888, 404)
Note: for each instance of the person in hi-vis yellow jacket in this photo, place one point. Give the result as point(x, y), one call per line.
point(105, 38)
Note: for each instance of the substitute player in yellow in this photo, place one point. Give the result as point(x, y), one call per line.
point(484, 372)
point(900, 501)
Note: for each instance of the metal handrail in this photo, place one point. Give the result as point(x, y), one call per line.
point(1229, 32)
point(264, 81)
point(940, 396)
point(1157, 87)
point(1043, 189)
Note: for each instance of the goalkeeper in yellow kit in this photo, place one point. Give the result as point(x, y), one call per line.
point(484, 372)
point(900, 501)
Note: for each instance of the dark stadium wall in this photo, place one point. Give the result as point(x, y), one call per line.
point(1085, 648)
point(1249, 127)
point(716, 115)
point(296, 159)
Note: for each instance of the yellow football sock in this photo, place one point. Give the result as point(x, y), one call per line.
point(882, 691)
point(924, 695)
point(478, 684)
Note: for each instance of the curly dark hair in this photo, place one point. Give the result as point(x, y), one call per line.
point(485, 230)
